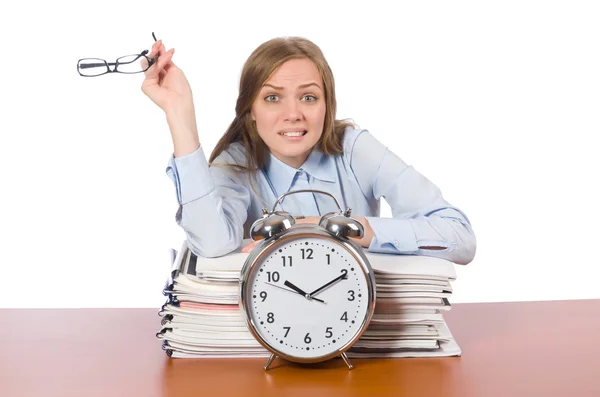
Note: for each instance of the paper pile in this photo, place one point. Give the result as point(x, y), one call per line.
point(201, 317)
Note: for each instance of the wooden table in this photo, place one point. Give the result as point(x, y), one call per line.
point(509, 349)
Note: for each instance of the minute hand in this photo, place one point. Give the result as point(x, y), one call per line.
point(321, 288)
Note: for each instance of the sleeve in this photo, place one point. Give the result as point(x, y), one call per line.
point(213, 202)
point(420, 215)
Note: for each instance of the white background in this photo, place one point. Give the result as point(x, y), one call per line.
point(497, 103)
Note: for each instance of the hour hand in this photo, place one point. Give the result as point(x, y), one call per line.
point(300, 291)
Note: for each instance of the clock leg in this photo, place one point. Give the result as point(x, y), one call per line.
point(345, 357)
point(269, 361)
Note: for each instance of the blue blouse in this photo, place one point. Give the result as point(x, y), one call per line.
point(217, 204)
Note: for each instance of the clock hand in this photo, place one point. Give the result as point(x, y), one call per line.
point(298, 290)
point(289, 290)
point(321, 288)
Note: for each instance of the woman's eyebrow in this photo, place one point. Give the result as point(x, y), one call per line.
point(302, 86)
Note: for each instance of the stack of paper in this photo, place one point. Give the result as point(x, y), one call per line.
point(201, 317)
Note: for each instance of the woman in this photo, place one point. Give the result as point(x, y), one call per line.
point(285, 137)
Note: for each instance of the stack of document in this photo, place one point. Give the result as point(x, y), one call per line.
point(201, 317)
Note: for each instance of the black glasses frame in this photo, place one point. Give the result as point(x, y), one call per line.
point(151, 61)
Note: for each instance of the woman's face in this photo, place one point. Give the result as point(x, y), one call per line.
point(290, 111)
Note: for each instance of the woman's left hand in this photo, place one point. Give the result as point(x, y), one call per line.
point(309, 219)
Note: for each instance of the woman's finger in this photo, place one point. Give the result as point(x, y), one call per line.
point(155, 48)
point(157, 70)
point(164, 59)
point(165, 63)
point(250, 246)
point(170, 62)
point(155, 52)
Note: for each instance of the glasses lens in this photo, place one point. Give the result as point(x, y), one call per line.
point(92, 66)
point(132, 64)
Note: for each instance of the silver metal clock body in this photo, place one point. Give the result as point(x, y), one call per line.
point(307, 294)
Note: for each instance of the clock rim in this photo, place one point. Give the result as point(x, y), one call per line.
point(299, 231)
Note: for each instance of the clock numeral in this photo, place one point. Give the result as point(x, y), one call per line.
point(344, 317)
point(309, 251)
point(307, 338)
point(328, 332)
point(345, 273)
point(328, 259)
point(263, 295)
point(289, 260)
point(287, 331)
point(273, 277)
point(270, 317)
point(351, 297)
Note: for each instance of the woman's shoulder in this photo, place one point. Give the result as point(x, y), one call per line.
point(361, 147)
point(351, 136)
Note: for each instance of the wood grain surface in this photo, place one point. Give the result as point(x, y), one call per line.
point(509, 349)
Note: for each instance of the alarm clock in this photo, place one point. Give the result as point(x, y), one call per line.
point(307, 291)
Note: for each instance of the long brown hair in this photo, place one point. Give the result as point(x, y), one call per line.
point(257, 69)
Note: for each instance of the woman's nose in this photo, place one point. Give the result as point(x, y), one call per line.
point(292, 111)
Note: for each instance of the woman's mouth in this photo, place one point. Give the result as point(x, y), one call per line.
point(293, 135)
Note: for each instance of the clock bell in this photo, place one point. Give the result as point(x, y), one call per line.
point(273, 223)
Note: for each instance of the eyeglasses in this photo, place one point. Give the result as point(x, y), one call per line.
point(129, 64)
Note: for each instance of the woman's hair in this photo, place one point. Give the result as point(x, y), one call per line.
point(257, 69)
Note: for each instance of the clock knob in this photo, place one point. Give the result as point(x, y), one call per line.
point(342, 225)
point(271, 224)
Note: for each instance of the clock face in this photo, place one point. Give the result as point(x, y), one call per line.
point(307, 297)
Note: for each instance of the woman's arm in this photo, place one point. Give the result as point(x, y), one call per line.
point(213, 202)
point(422, 222)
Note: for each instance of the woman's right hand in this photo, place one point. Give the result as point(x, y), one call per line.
point(165, 84)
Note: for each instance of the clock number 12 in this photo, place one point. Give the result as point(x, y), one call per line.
point(308, 251)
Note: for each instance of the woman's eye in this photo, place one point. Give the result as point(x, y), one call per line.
point(271, 98)
point(309, 98)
